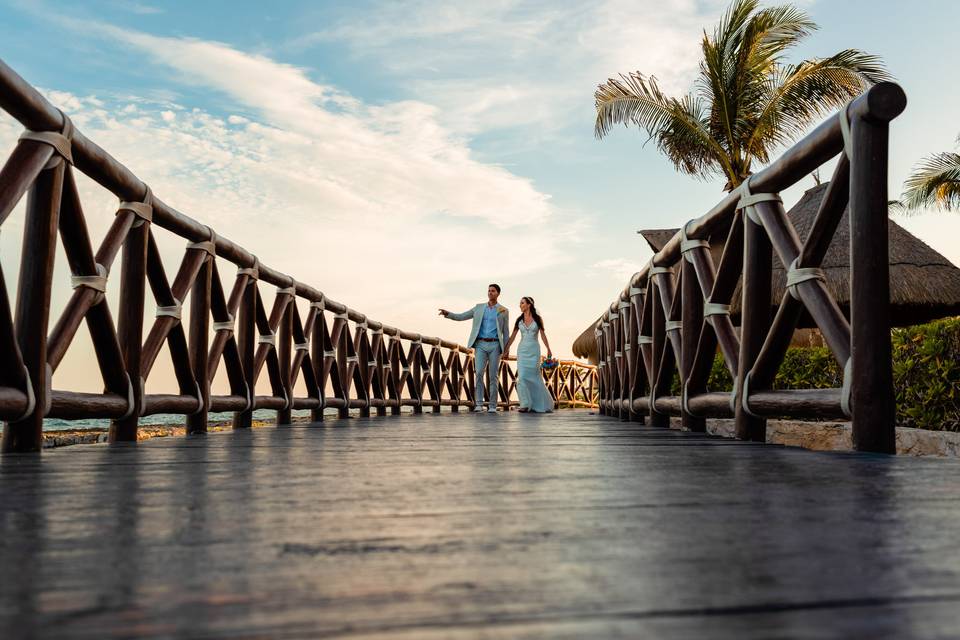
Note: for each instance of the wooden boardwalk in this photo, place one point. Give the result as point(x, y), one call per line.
point(432, 526)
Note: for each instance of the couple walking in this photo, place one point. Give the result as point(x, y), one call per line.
point(488, 338)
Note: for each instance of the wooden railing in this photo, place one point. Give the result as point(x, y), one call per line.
point(573, 385)
point(675, 313)
point(346, 360)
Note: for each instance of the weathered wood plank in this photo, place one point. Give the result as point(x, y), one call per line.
point(466, 525)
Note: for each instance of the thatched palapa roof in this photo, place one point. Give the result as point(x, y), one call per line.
point(923, 284)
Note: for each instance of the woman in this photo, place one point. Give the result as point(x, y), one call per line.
point(534, 396)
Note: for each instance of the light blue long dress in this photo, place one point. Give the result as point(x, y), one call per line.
point(533, 393)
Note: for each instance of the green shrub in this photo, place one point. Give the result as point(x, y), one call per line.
point(926, 374)
point(720, 379)
point(809, 368)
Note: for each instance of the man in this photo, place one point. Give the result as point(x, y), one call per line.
point(491, 326)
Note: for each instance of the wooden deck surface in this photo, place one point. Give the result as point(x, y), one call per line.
point(562, 526)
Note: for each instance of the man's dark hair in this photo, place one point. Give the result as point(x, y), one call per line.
point(495, 286)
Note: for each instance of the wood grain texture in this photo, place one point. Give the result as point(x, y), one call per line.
point(568, 525)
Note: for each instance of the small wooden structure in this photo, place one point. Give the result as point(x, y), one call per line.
point(674, 314)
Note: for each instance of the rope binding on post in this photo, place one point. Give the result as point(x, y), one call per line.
point(252, 272)
point(96, 282)
point(142, 211)
point(172, 311)
point(209, 245)
point(796, 275)
point(31, 397)
point(687, 244)
point(844, 116)
point(62, 141)
point(131, 399)
point(748, 201)
point(226, 325)
point(269, 339)
point(290, 289)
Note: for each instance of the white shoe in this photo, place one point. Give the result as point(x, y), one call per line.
point(477, 409)
point(492, 410)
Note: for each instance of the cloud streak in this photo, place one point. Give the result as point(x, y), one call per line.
point(547, 56)
point(379, 205)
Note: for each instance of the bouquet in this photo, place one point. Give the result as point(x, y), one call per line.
point(549, 363)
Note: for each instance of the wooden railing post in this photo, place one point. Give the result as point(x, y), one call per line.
point(617, 326)
point(247, 343)
point(637, 367)
point(754, 321)
point(659, 335)
point(393, 358)
point(199, 343)
point(456, 360)
point(871, 376)
point(416, 372)
point(284, 355)
point(434, 364)
point(33, 304)
point(362, 350)
point(692, 318)
point(316, 358)
point(603, 364)
point(133, 274)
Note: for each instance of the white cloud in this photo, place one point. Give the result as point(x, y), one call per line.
point(619, 269)
point(390, 161)
point(380, 206)
point(527, 63)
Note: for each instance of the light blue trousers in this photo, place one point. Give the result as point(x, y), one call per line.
point(487, 360)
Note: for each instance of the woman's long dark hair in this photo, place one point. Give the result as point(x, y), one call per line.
point(533, 312)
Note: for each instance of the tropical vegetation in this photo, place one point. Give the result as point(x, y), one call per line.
point(747, 99)
point(934, 183)
point(926, 374)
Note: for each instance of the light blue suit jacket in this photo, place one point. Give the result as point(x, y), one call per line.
point(476, 314)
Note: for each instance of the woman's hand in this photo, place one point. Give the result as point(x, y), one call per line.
point(444, 312)
point(549, 354)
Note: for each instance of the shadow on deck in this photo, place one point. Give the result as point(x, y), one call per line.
point(567, 525)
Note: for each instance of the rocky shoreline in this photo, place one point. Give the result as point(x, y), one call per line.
point(95, 435)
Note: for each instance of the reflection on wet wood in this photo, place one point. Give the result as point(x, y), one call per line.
point(463, 525)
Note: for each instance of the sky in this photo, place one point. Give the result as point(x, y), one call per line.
point(400, 156)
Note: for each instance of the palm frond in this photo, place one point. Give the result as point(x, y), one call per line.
point(800, 94)
point(736, 65)
point(746, 100)
point(771, 32)
point(934, 183)
point(675, 124)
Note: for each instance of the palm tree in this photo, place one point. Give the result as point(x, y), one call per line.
point(746, 100)
point(934, 183)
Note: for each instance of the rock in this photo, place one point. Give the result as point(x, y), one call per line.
point(838, 436)
point(818, 436)
point(922, 442)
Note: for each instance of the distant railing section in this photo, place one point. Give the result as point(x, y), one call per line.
point(675, 313)
point(345, 359)
point(572, 384)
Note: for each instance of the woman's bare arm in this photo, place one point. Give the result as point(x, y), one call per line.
point(506, 349)
point(543, 334)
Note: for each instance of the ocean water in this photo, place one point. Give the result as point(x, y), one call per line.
point(55, 424)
